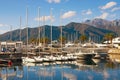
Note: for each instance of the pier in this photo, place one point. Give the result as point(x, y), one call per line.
point(13, 57)
point(114, 55)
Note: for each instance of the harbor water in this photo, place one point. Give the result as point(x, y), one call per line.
point(68, 70)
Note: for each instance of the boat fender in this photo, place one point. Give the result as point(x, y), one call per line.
point(9, 62)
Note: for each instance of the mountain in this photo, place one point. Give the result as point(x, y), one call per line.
point(89, 30)
point(71, 31)
point(32, 33)
point(100, 23)
point(105, 24)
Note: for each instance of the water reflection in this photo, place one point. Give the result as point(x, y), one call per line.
point(11, 73)
point(115, 57)
point(69, 76)
point(69, 70)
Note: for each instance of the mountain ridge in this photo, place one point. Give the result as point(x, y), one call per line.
point(88, 28)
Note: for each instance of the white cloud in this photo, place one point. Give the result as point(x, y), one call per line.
point(3, 31)
point(68, 14)
point(103, 16)
point(84, 19)
point(109, 5)
point(44, 18)
point(3, 25)
point(89, 12)
point(115, 9)
point(86, 12)
point(54, 1)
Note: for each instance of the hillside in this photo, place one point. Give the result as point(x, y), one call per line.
point(105, 24)
point(70, 31)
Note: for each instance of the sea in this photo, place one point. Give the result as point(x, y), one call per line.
point(66, 70)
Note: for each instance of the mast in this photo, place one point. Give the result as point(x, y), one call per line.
point(11, 33)
point(61, 28)
point(39, 25)
point(20, 28)
point(27, 27)
point(51, 27)
point(76, 36)
point(43, 31)
point(61, 38)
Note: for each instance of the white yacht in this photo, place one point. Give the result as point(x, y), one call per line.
point(28, 59)
point(59, 58)
point(69, 44)
point(38, 58)
point(84, 55)
point(71, 57)
point(115, 41)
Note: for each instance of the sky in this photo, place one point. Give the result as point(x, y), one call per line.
point(55, 12)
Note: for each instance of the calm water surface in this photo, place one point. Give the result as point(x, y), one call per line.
point(70, 70)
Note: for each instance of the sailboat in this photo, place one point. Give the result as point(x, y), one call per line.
point(27, 59)
point(38, 58)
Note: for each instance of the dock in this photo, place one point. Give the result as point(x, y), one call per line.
point(13, 57)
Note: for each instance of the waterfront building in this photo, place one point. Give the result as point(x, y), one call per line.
point(8, 45)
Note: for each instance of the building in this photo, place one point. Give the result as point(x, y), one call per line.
point(8, 46)
point(115, 41)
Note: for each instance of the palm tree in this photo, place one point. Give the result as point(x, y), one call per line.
point(63, 39)
point(83, 38)
point(32, 40)
point(44, 39)
point(109, 36)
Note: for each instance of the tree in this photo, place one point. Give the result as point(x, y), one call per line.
point(32, 40)
point(109, 36)
point(83, 38)
point(44, 40)
point(63, 39)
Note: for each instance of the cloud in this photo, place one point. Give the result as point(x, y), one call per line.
point(44, 18)
point(86, 12)
point(108, 5)
point(89, 12)
point(84, 19)
point(53, 1)
point(3, 31)
point(115, 9)
point(68, 14)
point(103, 16)
point(3, 25)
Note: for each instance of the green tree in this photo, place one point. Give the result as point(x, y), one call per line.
point(44, 40)
point(109, 36)
point(83, 38)
point(63, 39)
point(32, 40)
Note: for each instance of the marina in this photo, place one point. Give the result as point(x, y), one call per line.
point(59, 40)
point(67, 54)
